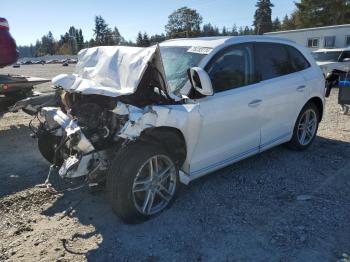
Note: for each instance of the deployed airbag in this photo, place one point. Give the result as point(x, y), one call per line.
point(107, 70)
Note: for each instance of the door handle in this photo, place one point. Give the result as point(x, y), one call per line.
point(301, 88)
point(255, 103)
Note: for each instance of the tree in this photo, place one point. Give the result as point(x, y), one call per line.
point(117, 38)
point(157, 38)
point(183, 22)
point(224, 31)
point(208, 30)
point(248, 31)
point(101, 31)
point(80, 39)
point(288, 23)
point(276, 25)
point(313, 13)
point(139, 39)
point(262, 18)
point(47, 45)
point(234, 31)
point(146, 41)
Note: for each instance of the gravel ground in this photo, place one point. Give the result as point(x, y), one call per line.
point(280, 205)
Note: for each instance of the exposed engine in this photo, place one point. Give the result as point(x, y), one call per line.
point(95, 117)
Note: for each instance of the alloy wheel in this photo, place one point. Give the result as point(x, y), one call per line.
point(307, 127)
point(154, 185)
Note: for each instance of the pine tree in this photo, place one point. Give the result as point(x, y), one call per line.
point(118, 39)
point(234, 31)
point(146, 42)
point(139, 39)
point(288, 23)
point(276, 25)
point(157, 38)
point(224, 31)
point(262, 17)
point(101, 31)
point(313, 13)
point(80, 40)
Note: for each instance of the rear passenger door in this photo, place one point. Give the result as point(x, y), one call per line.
point(284, 91)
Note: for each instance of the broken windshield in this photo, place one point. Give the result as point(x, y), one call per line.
point(176, 61)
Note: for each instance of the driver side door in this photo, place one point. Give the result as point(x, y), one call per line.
point(231, 117)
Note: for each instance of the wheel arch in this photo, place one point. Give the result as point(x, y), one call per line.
point(171, 138)
point(319, 104)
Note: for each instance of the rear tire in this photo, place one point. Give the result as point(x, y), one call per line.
point(305, 128)
point(130, 182)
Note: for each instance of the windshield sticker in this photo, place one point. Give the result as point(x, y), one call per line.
point(199, 50)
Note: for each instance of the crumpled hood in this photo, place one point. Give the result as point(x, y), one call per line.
point(109, 70)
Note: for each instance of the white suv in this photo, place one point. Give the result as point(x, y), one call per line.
point(141, 120)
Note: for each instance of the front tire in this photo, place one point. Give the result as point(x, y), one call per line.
point(142, 182)
point(305, 128)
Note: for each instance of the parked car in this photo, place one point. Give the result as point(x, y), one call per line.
point(142, 120)
point(330, 59)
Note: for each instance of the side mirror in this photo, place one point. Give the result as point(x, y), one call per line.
point(346, 59)
point(200, 81)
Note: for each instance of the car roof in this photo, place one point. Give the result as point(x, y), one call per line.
point(332, 50)
point(213, 42)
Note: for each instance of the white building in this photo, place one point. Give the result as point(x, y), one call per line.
point(337, 36)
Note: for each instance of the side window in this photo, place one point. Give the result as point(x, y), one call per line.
point(273, 61)
point(345, 55)
point(298, 60)
point(232, 68)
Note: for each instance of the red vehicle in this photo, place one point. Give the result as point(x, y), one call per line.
point(8, 48)
point(12, 87)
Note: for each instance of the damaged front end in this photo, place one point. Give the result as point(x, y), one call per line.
point(76, 150)
point(91, 125)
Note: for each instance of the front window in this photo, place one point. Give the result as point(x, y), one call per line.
point(232, 68)
point(177, 60)
point(327, 56)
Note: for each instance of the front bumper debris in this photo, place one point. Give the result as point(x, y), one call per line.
point(55, 116)
point(87, 159)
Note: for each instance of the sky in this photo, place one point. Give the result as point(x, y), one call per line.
point(30, 19)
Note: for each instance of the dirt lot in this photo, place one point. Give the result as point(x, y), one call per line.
point(277, 206)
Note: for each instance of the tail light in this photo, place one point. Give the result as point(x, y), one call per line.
point(4, 25)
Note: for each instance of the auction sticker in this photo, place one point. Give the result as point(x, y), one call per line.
point(199, 50)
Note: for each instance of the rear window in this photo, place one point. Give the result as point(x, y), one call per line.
point(299, 61)
point(273, 61)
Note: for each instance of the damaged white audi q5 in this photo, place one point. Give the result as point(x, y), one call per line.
point(142, 120)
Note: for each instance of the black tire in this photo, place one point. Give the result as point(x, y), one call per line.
point(121, 176)
point(294, 143)
point(47, 144)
